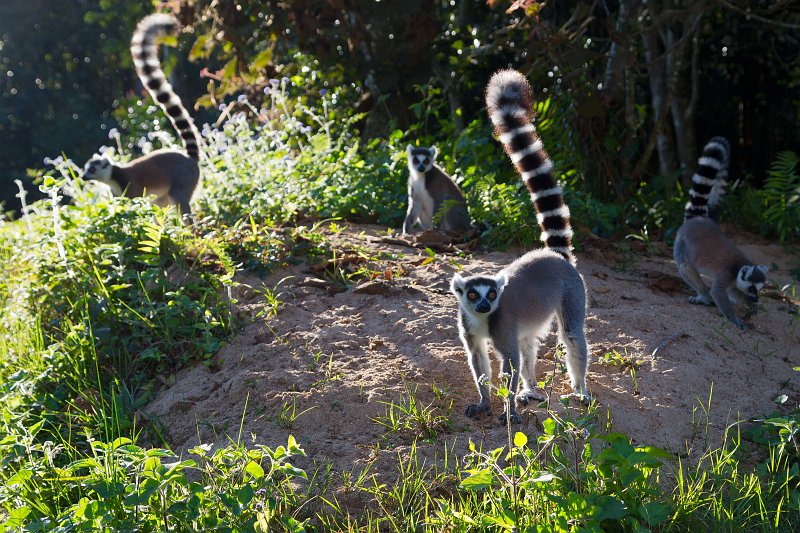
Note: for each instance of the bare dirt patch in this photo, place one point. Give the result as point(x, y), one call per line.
point(326, 366)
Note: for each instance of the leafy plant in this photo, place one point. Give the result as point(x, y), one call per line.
point(288, 414)
point(123, 486)
point(624, 362)
point(272, 297)
point(413, 418)
point(781, 196)
point(573, 477)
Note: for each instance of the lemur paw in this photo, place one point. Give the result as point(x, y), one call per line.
point(742, 325)
point(474, 410)
point(514, 418)
point(528, 395)
point(699, 300)
point(585, 398)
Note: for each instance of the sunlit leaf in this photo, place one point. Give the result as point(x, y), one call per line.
point(479, 480)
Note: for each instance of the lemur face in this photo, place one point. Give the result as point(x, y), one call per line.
point(421, 159)
point(97, 168)
point(478, 294)
point(750, 281)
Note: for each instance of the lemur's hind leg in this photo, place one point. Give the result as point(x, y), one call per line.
point(529, 349)
point(571, 334)
point(693, 279)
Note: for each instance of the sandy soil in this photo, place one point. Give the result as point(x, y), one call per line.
point(339, 356)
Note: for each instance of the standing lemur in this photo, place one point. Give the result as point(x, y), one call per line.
point(515, 308)
point(170, 175)
point(701, 247)
point(430, 190)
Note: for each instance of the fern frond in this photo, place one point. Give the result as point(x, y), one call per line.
point(781, 195)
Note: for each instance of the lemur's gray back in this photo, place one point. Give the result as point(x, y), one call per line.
point(509, 100)
point(145, 57)
point(442, 188)
point(709, 180)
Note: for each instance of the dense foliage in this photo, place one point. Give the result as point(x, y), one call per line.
point(640, 85)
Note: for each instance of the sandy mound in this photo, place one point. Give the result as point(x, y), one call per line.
point(339, 357)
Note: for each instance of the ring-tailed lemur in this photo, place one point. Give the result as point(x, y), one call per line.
point(702, 247)
point(515, 308)
point(170, 175)
point(430, 190)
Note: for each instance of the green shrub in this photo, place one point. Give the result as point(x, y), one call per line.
point(120, 486)
point(781, 197)
point(99, 299)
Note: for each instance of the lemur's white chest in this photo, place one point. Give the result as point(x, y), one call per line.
point(474, 324)
point(416, 189)
point(112, 185)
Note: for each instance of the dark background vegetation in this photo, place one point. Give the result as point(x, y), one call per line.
point(639, 85)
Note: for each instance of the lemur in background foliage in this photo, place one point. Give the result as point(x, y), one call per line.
point(432, 193)
point(170, 175)
point(702, 247)
point(515, 308)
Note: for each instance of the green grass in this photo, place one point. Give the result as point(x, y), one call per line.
point(410, 419)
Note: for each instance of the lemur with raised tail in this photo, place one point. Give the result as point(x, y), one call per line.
point(170, 175)
point(701, 246)
point(515, 308)
point(431, 190)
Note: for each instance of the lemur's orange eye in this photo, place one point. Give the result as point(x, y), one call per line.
point(472, 296)
point(492, 295)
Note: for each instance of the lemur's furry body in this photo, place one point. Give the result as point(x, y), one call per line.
point(515, 308)
point(170, 175)
point(431, 189)
point(702, 247)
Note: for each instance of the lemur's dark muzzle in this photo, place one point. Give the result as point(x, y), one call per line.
point(420, 168)
point(483, 307)
point(753, 299)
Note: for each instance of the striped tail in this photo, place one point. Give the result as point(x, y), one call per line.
point(709, 180)
point(145, 57)
point(509, 101)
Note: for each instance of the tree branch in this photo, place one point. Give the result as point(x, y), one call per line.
point(765, 20)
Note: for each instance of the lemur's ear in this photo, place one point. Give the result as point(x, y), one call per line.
point(409, 148)
point(501, 280)
point(434, 151)
point(457, 284)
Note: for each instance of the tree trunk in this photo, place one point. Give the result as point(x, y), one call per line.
point(682, 108)
point(613, 80)
point(659, 98)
